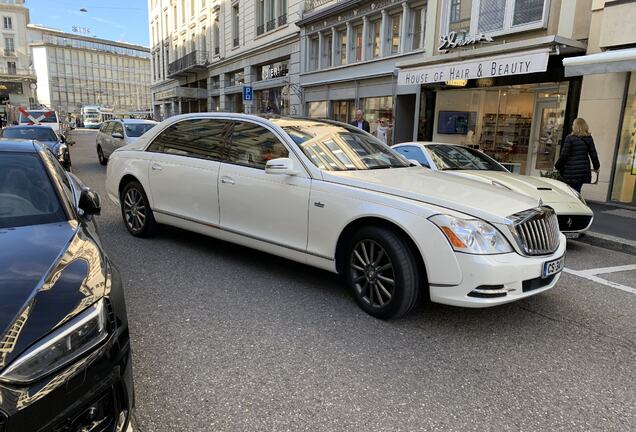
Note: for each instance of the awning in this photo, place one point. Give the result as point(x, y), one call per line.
point(605, 62)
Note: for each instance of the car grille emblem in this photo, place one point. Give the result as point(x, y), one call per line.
point(569, 223)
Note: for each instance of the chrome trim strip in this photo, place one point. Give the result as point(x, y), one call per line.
point(242, 234)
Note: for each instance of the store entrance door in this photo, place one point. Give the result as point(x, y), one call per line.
point(546, 136)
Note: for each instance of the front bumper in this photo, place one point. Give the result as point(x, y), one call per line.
point(515, 275)
point(89, 395)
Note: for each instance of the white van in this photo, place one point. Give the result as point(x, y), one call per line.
point(41, 117)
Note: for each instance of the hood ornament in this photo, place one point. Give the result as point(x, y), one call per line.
point(540, 202)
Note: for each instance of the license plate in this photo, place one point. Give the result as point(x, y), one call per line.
point(572, 235)
point(553, 267)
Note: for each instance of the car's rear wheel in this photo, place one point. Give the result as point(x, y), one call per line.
point(103, 160)
point(382, 272)
point(136, 212)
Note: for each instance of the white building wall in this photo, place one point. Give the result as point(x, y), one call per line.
point(41, 66)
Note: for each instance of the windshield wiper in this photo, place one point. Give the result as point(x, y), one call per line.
point(380, 167)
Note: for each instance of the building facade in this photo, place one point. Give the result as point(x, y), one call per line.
point(17, 77)
point(608, 97)
point(74, 70)
point(207, 53)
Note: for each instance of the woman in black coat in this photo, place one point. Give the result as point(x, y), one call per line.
point(576, 153)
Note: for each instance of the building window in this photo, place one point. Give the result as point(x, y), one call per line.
point(8, 25)
point(235, 25)
point(9, 46)
point(11, 68)
point(342, 46)
point(357, 45)
point(376, 27)
point(396, 21)
point(282, 7)
point(417, 28)
point(174, 17)
point(260, 22)
point(215, 35)
point(492, 16)
point(271, 15)
point(204, 40)
point(313, 52)
point(183, 11)
point(193, 8)
point(327, 43)
point(236, 78)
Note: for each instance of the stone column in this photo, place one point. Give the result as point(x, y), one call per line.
point(334, 46)
point(384, 30)
point(404, 29)
point(349, 31)
point(365, 38)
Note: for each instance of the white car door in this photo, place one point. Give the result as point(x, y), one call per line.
point(268, 207)
point(102, 134)
point(184, 169)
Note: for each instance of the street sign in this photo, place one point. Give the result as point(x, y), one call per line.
point(247, 93)
point(33, 120)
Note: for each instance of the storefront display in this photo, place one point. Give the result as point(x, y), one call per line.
point(378, 111)
point(624, 185)
point(271, 101)
point(317, 109)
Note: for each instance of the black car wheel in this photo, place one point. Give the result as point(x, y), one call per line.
point(103, 160)
point(382, 273)
point(136, 212)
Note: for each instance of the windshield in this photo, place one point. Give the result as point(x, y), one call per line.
point(338, 148)
point(31, 133)
point(27, 196)
point(49, 117)
point(135, 130)
point(455, 157)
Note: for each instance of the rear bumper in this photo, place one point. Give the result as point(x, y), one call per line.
point(511, 276)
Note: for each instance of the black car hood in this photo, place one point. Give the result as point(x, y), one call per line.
point(48, 274)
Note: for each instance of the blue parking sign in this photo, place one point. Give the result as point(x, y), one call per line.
point(247, 93)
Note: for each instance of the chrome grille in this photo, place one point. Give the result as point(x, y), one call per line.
point(536, 231)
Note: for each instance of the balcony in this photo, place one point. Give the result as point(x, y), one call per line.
point(282, 20)
point(9, 52)
point(260, 30)
point(271, 25)
point(191, 62)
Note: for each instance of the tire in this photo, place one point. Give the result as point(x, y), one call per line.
point(103, 160)
point(136, 212)
point(382, 273)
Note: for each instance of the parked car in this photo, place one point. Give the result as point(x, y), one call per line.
point(114, 134)
point(65, 360)
point(45, 135)
point(332, 196)
point(573, 214)
point(43, 117)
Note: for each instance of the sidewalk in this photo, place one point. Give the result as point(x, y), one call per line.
point(614, 227)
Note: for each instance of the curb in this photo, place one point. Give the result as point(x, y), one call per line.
point(608, 242)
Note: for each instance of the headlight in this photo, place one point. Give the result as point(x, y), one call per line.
point(472, 236)
point(58, 349)
point(61, 150)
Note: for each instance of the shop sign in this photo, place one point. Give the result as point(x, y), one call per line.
point(166, 94)
point(275, 70)
point(497, 66)
point(456, 83)
point(451, 40)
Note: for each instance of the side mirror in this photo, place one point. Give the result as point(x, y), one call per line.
point(117, 135)
point(89, 202)
point(280, 166)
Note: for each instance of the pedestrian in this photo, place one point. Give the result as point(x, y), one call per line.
point(576, 153)
point(381, 131)
point(360, 122)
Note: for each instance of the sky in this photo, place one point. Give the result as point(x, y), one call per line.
point(119, 20)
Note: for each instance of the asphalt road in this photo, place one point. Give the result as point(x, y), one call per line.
point(229, 339)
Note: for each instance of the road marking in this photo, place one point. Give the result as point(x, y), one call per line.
point(590, 276)
point(615, 269)
point(622, 213)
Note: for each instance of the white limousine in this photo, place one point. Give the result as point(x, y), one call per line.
point(331, 196)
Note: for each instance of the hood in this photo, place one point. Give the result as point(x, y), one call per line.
point(48, 274)
point(535, 187)
point(484, 201)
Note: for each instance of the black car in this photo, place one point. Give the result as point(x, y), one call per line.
point(45, 135)
point(65, 361)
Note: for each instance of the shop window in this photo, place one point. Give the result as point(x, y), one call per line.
point(313, 52)
point(343, 110)
point(378, 111)
point(327, 50)
point(494, 17)
point(317, 109)
point(271, 101)
point(396, 21)
point(624, 184)
point(252, 145)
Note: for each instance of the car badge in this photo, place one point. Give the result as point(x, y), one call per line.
point(570, 223)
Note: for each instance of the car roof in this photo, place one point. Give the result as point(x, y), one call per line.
point(131, 121)
point(18, 145)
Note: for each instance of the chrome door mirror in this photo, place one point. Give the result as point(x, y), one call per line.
point(280, 166)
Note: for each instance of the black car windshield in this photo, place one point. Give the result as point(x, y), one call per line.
point(135, 130)
point(27, 196)
point(455, 157)
point(33, 133)
point(332, 147)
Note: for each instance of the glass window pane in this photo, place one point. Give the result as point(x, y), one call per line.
point(459, 15)
point(203, 138)
point(527, 11)
point(396, 21)
point(253, 145)
point(624, 186)
point(491, 15)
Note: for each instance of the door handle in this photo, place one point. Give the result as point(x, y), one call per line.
point(156, 167)
point(227, 180)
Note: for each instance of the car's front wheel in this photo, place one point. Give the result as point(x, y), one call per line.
point(136, 212)
point(103, 160)
point(382, 272)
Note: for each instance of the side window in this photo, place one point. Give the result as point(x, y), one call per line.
point(413, 152)
point(253, 145)
point(201, 138)
point(117, 127)
point(60, 173)
point(109, 128)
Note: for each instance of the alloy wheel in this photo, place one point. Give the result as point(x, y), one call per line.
point(134, 209)
point(372, 273)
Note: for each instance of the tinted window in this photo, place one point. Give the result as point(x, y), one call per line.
point(333, 147)
point(33, 133)
point(454, 157)
point(413, 152)
point(117, 128)
point(204, 138)
point(253, 145)
point(27, 196)
point(135, 130)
